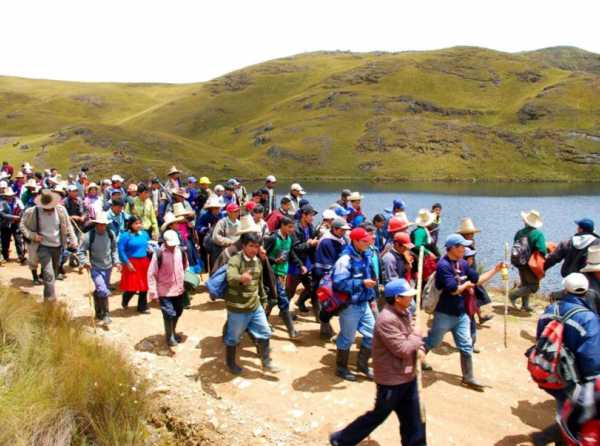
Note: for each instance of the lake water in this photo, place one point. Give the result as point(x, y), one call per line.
point(495, 209)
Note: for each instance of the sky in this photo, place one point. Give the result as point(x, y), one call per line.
point(191, 41)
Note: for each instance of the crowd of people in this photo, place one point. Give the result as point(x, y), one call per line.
point(258, 249)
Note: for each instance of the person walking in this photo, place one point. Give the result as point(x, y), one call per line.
point(574, 251)
point(271, 203)
point(11, 211)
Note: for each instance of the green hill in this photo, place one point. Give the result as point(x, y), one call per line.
point(455, 114)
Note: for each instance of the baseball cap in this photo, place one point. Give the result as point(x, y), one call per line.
point(342, 212)
point(271, 179)
point(285, 200)
point(469, 252)
point(576, 283)
point(296, 187)
point(171, 238)
point(457, 240)
point(232, 207)
point(404, 239)
point(346, 192)
point(399, 204)
point(71, 188)
point(308, 209)
point(398, 287)
point(115, 178)
point(192, 180)
point(587, 224)
point(328, 214)
point(340, 223)
point(250, 206)
point(359, 234)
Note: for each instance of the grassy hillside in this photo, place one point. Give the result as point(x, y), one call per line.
point(460, 114)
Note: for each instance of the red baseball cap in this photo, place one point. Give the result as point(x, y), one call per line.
point(232, 207)
point(250, 206)
point(359, 234)
point(404, 239)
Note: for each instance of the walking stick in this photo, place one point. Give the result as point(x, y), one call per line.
point(504, 273)
point(90, 294)
point(418, 324)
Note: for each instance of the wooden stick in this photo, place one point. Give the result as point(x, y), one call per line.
point(418, 312)
point(506, 280)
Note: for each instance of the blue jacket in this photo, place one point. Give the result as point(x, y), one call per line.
point(328, 251)
point(206, 221)
point(349, 272)
point(581, 334)
point(449, 275)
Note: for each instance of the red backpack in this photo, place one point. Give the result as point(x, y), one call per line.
point(332, 302)
point(551, 365)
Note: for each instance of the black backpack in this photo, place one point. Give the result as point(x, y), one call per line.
point(520, 252)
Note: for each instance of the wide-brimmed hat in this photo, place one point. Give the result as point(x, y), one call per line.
point(47, 199)
point(8, 192)
point(247, 224)
point(132, 187)
point(60, 188)
point(213, 202)
point(27, 166)
point(91, 186)
point(467, 227)
point(101, 218)
point(173, 170)
point(171, 238)
point(169, 219)
point(297, 188)
point(19, 175)
point(424, 218)
point(31, 183)
point(179, 210)
point(180, 192)
point(532, 218)
point(592, 263)
point(55, 179)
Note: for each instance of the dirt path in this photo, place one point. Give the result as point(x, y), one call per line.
point(305, 402)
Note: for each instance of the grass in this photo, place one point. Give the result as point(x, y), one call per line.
point(60, 386)
point(333, 114)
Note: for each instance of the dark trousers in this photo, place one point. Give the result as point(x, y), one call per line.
point(171, 307)
point(6, 233)
point(402, 399)
point(142, 304)
point(292, 284)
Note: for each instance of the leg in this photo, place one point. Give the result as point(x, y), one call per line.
point(473, 329)
point(19, 246)
point(142, 306)
point(236, 325)
point(260, 330)
point(5, 235)
point(46, 256)
point(412, 429)
point(366, 326)
point(442, 324)
point(168, 313)
point(127, 295)
point(462, 338)
point(349, 322)
point(284, 308)
point(179, 305)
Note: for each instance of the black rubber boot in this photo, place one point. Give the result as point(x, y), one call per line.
point(36, 278)
point(169, 337)
point(550, 435)
point(316, 307)
point(127, 295)
point(341, 366)
point(230, 353)
point(142, 306)
point(105, 312)
point(265, 356)
point(362, 364)
point(468, 379)
point(177, 337)
point(98, 309)
point(289, 324)
point(326, 331)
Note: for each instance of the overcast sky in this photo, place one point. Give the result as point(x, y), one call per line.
point(189, 41)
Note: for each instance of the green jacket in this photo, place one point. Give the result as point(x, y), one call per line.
point(280, 253)
point(244, 298)
point(535, 237)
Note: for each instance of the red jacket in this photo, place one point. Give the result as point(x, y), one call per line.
point(273, 220)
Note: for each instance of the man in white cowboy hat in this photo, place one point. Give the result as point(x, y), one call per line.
point(30, 189)
point(591, 271)
point(247, 225)
point(98, 254)
point(421, 235)
point(527, 240)
point(180, 195)
point(271, 204)
point(11, 210)
point(295, 195)
point(356, 217)
point(48, 226)
point(173, 181)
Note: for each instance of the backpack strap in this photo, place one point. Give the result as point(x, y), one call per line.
point(572, 312)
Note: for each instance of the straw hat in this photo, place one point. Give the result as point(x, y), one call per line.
point(424, 218)
point(593, 260)
point(467, 227)
point(60, 188)
point(47, 199)
point(169, 219)
point(101, 218)
point(132, 187)
point(8, 192)
point(31, 183)
point(213, 202)
point(355, 196)
point(20, 175)
point(532, 218)
point(247, 225)
point(179, 210)
point(180, 192)
point(173, 170)
point(91, 186)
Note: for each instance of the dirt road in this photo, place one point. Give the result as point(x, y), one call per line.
point(304, 402)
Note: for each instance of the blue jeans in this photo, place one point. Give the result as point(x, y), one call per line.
point(460, 326)
point(355, 318)
point(283, 302)
point(171, 307)
point(254, 321)
point(101, 279)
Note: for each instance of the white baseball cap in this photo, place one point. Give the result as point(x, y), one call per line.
point(296, 187)
point(329, 214)
point(271, 179)
point(116, 178)
point(171, 238)
point(576, 283)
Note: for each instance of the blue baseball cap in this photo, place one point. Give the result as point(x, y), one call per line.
point(399, 204)
point(398, 287)
point(457, 240)
point(192, 180)
point(587, 224)
point(342, 212)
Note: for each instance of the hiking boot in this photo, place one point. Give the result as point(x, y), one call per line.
point(484, 319)
point(362, 364)
point(468, 380)
point(341, 366)
point(326, 331)
point(289, 324)
point(230, 353)
point(169, 336)
point(265, 356)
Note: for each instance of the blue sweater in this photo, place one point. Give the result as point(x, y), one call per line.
point(328, 251)
point(133, 245)
point(349, 272)
point(449, 276)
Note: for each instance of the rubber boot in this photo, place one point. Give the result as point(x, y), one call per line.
point(326, 331)
point(169, 337)
point(265, 356)
point(362, 364)
point(289, 324)
point(526, 306)
point(98, 308)
point(142, 306)
point(105, 313)
point(35, 276)
point(177, 337)
point(316, 307)
point(550, 435)
point(61, 272)
point(466, 364)
point(302, 302)
point(230, 353)
point(127, 295)
point(341, 366)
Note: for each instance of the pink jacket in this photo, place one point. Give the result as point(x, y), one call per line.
point(168, 280)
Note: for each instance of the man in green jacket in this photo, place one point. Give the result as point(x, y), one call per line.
point(537, 243)
point(245, 298)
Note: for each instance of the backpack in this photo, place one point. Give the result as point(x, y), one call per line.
point(520, 252)
point(431, 295)
point(550, 364)
point(332, 302)
point(111, 236)
point(217, 283)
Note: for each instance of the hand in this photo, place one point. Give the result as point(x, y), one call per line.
point(155, 236)
point(369, 283)
point(313, 242)
point(421, 355)
point(303, 271)
point(37, 238)
point(262, 253)
point(130, 267)
point(465, 286)
point(498, 267)
point(246, 278)
point(87, 266)
point(118, 267)
point(152, 296)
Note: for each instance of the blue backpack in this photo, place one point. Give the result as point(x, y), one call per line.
point(217, 283)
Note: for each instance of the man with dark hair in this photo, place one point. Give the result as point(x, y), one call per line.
point(270, 182)
point(305, 244)
point(274, 219)
point(573, 252)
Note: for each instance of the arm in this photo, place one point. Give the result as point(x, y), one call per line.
point(262, 294)
point(152, 217)
point(342, 277)
point(25, 222)
point(269, 243)
point(389, 267)
point(401, 345)
point(153, 276)
point(557, 256)
point(5, 213)
point(420, 237)
point(84, 247)
point(539, 241)
point(233, 270)
point(114, 251)
point(587, 354)
point(122, 245)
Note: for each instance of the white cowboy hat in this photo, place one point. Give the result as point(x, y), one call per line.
point(27, 166)
point(592, 263)
point(173, 170)
point(8, 192)
point(247, 224)
point(169, 219)
point(179, 210)
point(31, 183)
point(47, 199)
point(329, 214)
point(55, 179)
point(117, 178)
point(297, 188)
point(355, 196)
point(532, 218)
point(91, 186)
point(171, 238)
point(101, 218)
point(60, 188)
point(424, 218)
point(219, 188)
point(20, 174)
point(213, 202)
point(180, 191)
point(467, 227)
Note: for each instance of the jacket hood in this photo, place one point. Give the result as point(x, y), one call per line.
point(583, 241)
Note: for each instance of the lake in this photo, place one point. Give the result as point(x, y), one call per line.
point(495, 209)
